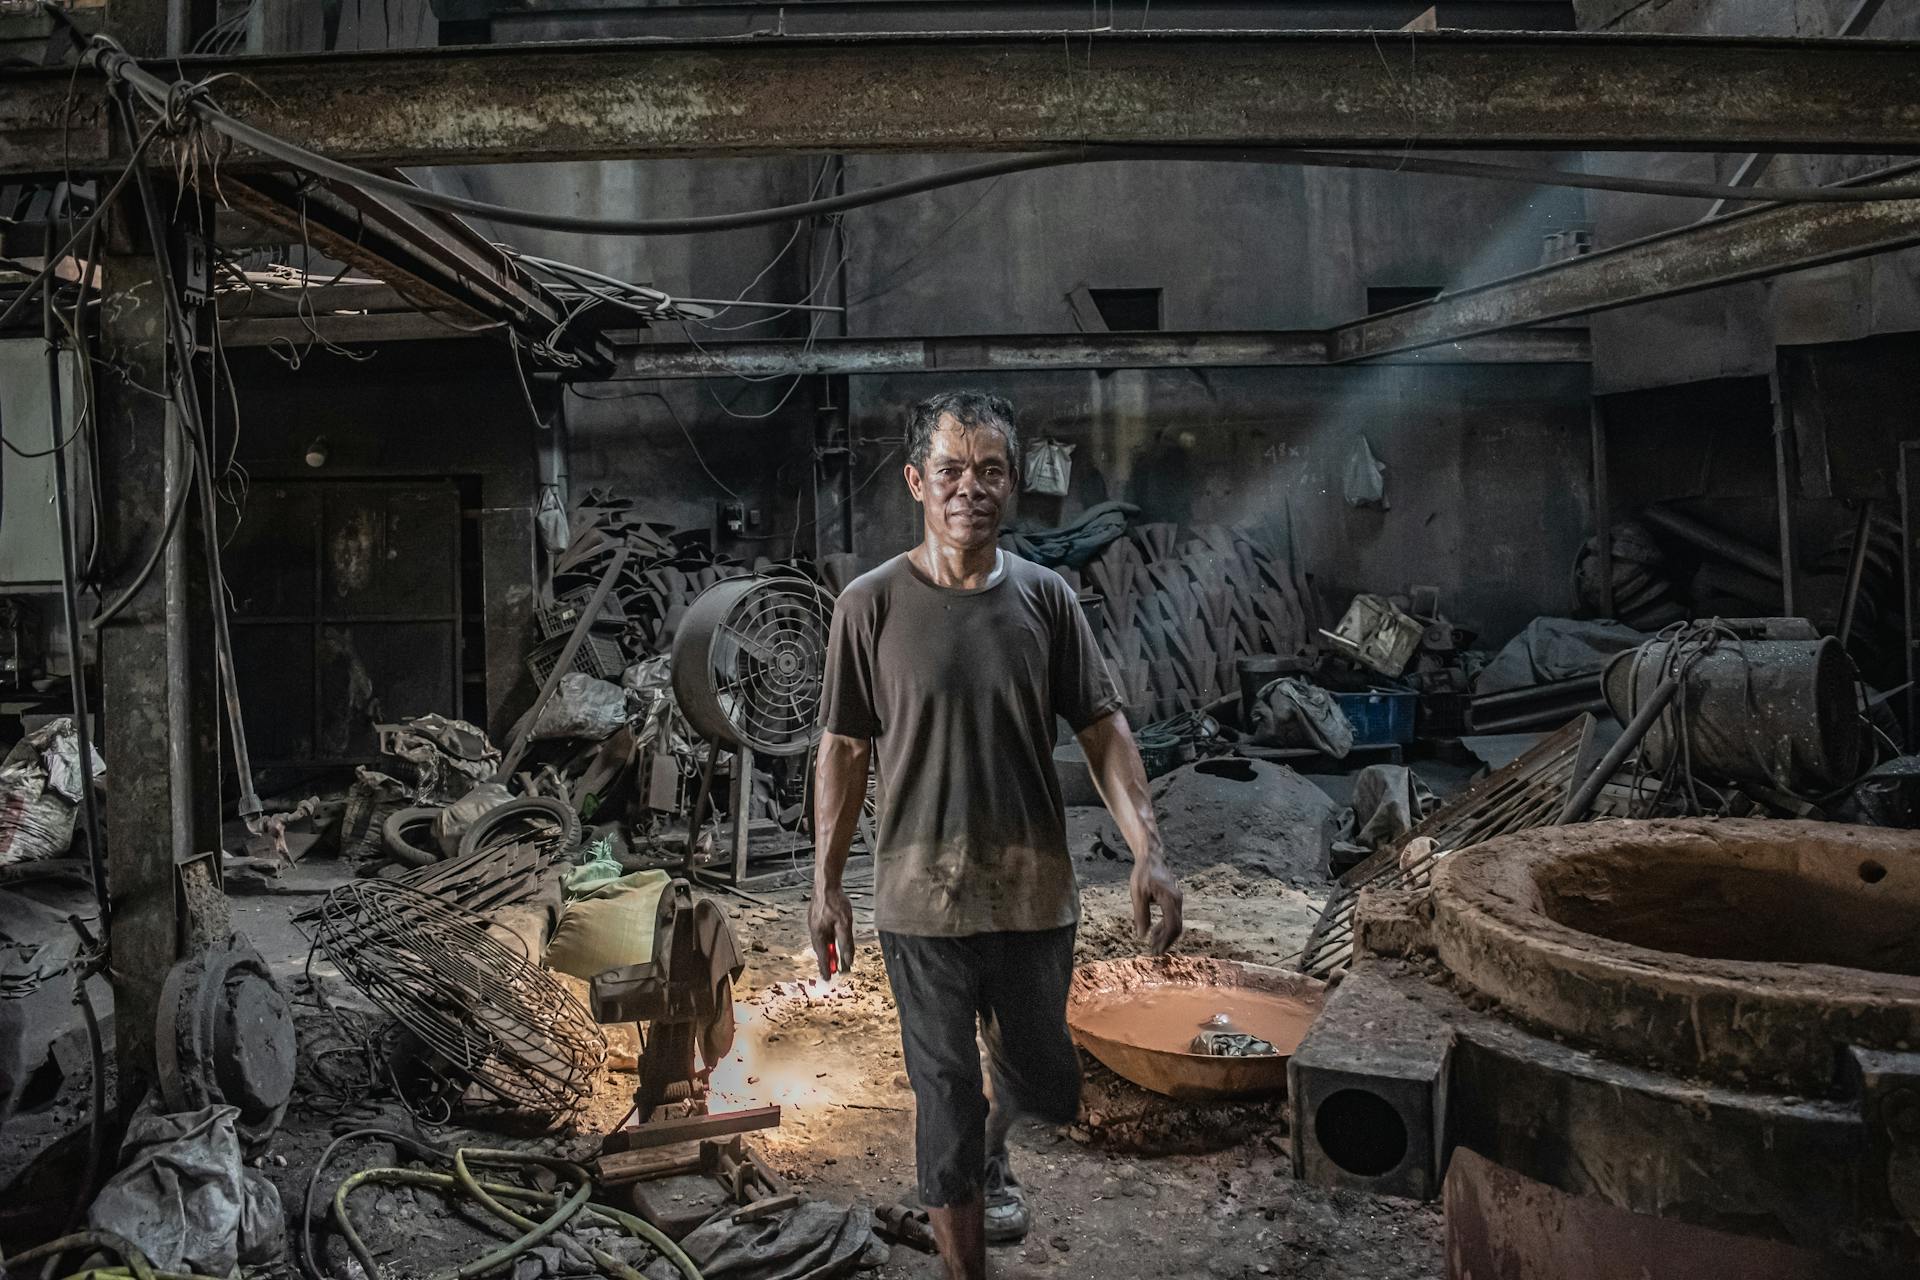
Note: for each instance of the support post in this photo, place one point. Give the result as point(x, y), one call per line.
point(1856, 569)
point(1602, 503)
point(1910, 581)
point(742, 806)
point(833, 417)
point(160, 712)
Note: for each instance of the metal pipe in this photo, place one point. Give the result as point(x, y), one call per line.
point(1711, 540)
point(1602, 503)
point(1786, 480)
point(1554, 691)
point(1527, 719)
point(1856, 568)
point(1582, 799)
point(1005, 353)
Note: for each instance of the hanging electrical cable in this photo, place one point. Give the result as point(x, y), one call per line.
point(70, 602)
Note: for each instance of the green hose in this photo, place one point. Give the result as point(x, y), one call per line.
point(105, 1240)
point(489, 1195)
point(635, 1226)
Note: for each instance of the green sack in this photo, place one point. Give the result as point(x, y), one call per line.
point(611, 928)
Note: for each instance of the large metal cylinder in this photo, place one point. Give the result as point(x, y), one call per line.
point(1779, 713)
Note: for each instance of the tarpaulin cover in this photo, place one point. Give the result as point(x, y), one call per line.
point(1291, 712)
point(815, 1241)
point(1555, 649)
point(187, 1199)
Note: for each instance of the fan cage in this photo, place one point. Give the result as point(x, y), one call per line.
point(493, 1018)
point(766, 664)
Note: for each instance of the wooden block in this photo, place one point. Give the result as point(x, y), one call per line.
point(629, 1166)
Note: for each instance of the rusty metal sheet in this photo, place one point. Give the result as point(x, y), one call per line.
point(1013, 92)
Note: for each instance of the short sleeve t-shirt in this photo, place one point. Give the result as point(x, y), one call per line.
point(958, 690)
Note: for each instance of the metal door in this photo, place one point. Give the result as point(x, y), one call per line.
point(346, 614)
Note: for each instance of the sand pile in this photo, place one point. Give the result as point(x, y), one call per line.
point(1249, 814)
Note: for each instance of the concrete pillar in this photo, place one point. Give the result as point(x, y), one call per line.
point(162, 738)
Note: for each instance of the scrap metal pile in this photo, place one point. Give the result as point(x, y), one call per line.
point(1717, 718)
point(1177, 616)
point(422, 944)
point(664, 572)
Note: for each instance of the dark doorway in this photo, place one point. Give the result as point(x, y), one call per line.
point(346, 613)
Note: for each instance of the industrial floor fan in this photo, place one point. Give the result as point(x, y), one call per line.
point(749, 661)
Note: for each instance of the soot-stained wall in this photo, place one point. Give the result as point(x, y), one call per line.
point(1488, 465)
point(1487, 470)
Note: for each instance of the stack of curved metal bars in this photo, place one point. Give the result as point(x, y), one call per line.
point(1530, 792)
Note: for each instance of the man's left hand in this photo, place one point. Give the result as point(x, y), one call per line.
point(1153, 886)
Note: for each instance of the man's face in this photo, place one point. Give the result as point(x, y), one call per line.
point(965, 486)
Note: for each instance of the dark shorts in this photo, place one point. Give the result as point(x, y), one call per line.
point(1014, 985)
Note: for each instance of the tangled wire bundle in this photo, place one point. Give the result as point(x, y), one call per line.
point(493, 1019)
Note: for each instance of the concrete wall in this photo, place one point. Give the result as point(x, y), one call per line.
point(1231, 245)
point(1487, 472)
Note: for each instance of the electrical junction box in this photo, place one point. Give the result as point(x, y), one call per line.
point(29, 522)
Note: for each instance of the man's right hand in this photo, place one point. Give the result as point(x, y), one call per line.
point(830, 921)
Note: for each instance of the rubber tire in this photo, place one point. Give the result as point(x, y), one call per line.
point(483, 826)
point(393, 836)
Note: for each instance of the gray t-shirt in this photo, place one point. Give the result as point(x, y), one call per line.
point(958, 690)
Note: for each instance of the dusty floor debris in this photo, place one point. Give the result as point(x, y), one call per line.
point(1139, 1186)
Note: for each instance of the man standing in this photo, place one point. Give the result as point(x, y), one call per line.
point(947, 667)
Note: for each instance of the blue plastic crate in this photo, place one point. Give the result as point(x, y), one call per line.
point(1379, 716)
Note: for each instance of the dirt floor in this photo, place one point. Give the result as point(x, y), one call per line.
point(1140, 1186)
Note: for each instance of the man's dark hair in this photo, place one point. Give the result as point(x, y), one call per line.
point(968, 408)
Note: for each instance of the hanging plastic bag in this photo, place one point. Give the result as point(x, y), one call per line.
point(555, 535)
point(1049, 467)
point(1366, 478)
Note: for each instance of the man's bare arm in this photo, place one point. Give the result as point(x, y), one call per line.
point(1114, 761)
point(839, 789)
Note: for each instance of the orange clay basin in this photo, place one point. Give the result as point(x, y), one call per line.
point(1140, 1015)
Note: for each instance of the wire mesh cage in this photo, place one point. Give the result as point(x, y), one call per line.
point(491, 1017)
point(749, 660)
